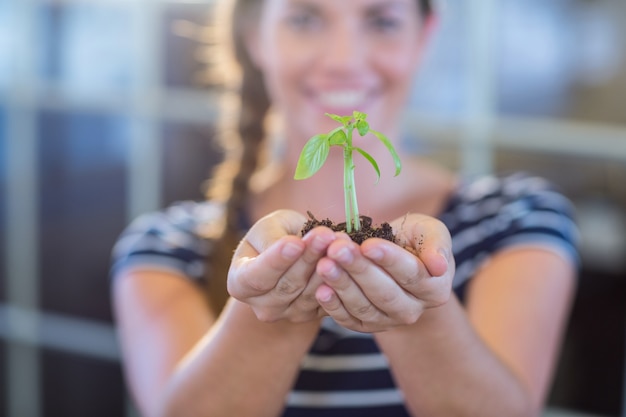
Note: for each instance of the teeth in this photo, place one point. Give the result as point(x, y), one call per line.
point(346, 98)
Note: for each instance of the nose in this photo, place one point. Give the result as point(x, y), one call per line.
point(345, 50)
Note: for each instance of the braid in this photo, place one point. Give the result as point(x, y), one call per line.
point(242, 138)
point(253, 109)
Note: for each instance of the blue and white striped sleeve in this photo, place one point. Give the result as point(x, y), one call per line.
point(540, 216)
point(494, 214)
point(170, 240)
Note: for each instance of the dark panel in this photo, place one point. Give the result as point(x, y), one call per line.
point(3, 371)
point(591, 369)
point(3, 199)
point(82, 209)
point(76, 386)
point(189, 156)
point(185, 44)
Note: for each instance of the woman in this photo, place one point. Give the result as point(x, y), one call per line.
point(318, 325)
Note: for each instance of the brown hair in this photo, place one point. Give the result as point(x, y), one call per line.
point(244, 106)
point(244, 109)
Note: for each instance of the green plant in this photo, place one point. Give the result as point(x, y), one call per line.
point(316, 150)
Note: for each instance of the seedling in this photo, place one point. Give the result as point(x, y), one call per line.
point(316, 150)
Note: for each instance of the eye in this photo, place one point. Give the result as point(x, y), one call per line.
point(304, 20)
point(385, 23)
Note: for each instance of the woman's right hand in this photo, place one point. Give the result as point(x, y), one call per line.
point(273, 269)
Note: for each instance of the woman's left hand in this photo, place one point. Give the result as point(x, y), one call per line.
point(380, 284)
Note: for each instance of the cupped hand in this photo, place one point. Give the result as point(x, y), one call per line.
point(380, 284)
point(273, 269)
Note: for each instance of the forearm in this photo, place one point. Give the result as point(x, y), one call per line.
point(243, 367)
point(444, 369)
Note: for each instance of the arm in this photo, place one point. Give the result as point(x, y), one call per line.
point(495, 359)
point(176, 352)
point(149, 307)
point(181, 360)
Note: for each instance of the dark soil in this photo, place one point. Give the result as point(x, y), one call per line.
point(384, 231)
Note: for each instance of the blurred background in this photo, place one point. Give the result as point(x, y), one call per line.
point(105, 113)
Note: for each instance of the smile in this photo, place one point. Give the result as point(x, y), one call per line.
point(342, 98)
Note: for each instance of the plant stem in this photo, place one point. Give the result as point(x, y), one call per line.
point(346, 188)
point(351, 206)
point(354, 205)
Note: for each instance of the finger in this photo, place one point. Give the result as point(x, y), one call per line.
point(410, 273)
point(316, 243)
point(265, 253)
point(427, 275)
point(363, 288)
point(428, 238)
point(345, 289)
point(306, 301)
point(405, 268)
point(332, 306)
point(295, 286)
point(250, 276)
point(274, 226)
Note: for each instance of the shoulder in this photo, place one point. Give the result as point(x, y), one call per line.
point(512, 197)
point(176, 239)
point(492, 213)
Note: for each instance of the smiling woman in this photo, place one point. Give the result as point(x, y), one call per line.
point(467, 322)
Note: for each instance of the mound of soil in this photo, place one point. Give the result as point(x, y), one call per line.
point(384, 231)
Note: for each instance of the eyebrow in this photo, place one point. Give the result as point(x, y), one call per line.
point(387, 4)
point(305, 4)
point(373, 6)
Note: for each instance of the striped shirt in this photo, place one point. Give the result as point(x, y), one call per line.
point(344, 373)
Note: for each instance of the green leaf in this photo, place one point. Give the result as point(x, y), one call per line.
point(391, 149)
point(344, 120)
point(372, 161)
point(363, 127)
point(337, 137)
point(358, 116)
point(312, 157)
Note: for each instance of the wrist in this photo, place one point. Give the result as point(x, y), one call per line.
point(435, 322)
point(240, 315)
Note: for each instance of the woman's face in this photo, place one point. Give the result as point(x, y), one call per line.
point(336, 56)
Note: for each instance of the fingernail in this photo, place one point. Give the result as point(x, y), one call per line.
point(291, 250)
point(321, 242)
point(344, 255)
point(374, 254)
point(445, 258)
point(324, 294)
point(332, 274)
